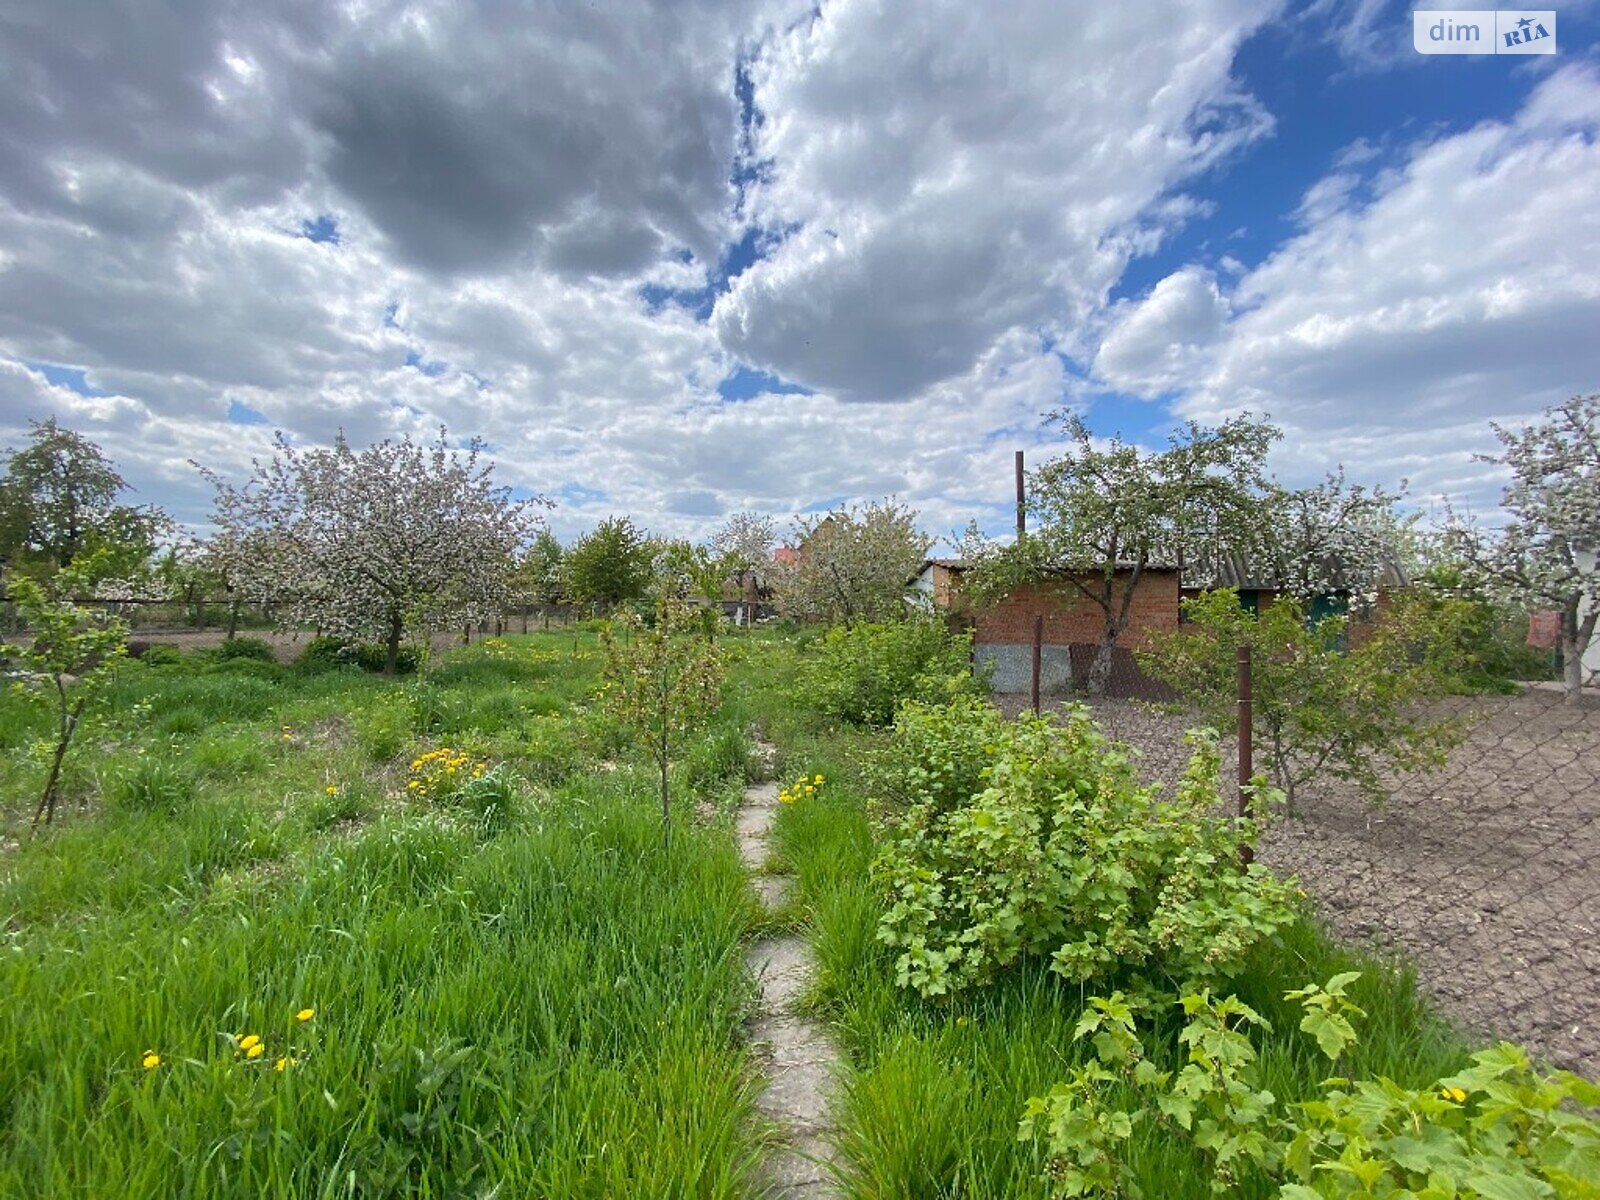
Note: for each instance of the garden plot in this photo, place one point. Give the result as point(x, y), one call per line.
point(1485, 874)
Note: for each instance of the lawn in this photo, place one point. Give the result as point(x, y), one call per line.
point(259, 956)
point(523, 988)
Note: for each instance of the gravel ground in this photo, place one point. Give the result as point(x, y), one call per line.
point(1486, 873)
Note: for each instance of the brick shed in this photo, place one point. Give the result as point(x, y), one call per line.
point(1074, 627)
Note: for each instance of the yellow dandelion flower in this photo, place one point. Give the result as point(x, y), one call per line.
point(331, 790)
point(150, 1060)
point(305, 1014)
point(249, 1040)
point(817, 780)
point(285, 1062)
point(255, 1051)
point(1454, 1094)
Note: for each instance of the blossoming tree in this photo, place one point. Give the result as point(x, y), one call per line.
point(1548, 553)
point(852, 564)
point(373, 543)
point(1105, 513)
point(745, 542)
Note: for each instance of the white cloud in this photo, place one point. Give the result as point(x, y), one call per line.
point(952, 172)
point(1159, 344)
point(1390, 332)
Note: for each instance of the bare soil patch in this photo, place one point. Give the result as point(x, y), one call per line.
point(1485, 874)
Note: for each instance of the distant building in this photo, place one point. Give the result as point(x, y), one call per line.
point(1074, 625)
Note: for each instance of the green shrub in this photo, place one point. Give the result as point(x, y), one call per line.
point(153, 784)
point(326, 653)
point(862, 673)
point(160, 656)
point(245, 647)
point(1498, 1128)
point(1060, 853)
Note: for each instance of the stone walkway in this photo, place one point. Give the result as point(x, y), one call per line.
point(798, 1057)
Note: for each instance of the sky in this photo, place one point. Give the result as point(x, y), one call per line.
point(687, 258)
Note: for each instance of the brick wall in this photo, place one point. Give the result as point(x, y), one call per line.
point(1070, 617)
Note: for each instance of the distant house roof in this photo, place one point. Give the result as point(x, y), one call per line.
point(786, 555)
point(1236, 570)
point(957, 564)
point(1233, 571)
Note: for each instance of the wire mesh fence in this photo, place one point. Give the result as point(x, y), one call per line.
point(1484, 872)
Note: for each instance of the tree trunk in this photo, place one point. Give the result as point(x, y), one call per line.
point(1575, 638)
point(666, 799)
point(391, 658)
point(47, 801)
point(233, 618)
point(1100, 669)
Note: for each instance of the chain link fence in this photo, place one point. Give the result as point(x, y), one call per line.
point(1484, 873)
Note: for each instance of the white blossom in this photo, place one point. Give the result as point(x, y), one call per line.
point(397, 537)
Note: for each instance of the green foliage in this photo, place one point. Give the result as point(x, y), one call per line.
point(245, 647)
point(328, 653)
point(66, 661)
point(58, 504)
point(491, 798)
point(157, 656)
point(1497, 1130)
point(862, 673)
point(1491, 636)
point(608, 566)
point(384, 727)
point(661, 682)
point(1060, 853)
point(1319, 708)
point(851, 564)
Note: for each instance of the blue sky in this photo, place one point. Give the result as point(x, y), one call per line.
point(684, 261)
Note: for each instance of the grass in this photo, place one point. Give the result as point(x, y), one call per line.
point(526, 991)
point(523, 992)
point(933, 1091)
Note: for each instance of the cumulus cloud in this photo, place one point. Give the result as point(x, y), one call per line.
point(951, 172)
point(1390, 332)
point(1160, 343)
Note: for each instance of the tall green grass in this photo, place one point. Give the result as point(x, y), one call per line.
point(526, 992)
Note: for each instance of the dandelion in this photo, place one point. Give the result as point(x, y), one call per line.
point(305, 1014)
point(1453, 1094)
point(817, 780)
point(284, 1063)
point(255, 1051)
point(150, 1060)
point(331, 789)
point(249, 1042)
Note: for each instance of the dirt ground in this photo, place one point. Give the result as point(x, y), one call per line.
point(1485, 874)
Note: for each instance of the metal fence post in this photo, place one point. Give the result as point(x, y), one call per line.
point(1038, 654)
point(1246, 746)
